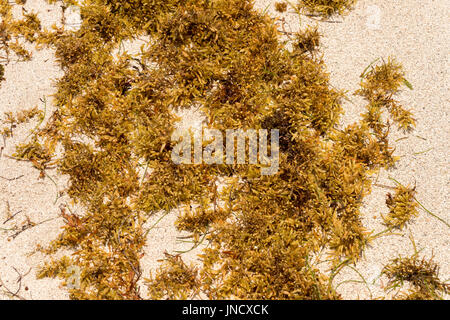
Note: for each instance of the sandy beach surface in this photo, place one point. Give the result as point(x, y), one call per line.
point(415, 32)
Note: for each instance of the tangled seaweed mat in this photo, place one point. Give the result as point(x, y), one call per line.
point(114, 120)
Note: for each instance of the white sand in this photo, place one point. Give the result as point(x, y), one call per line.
point(413, 31)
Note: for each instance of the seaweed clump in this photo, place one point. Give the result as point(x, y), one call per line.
point(11, 30)
point(402, 207)
point(114, 118)
point(326, 8)
point(281, 6)
point(421, 274)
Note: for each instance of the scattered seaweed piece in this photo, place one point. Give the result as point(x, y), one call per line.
point(281, 6)
point(421, 274)
point(402, 207)
point(325, 8)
